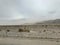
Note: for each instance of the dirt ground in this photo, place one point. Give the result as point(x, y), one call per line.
point(14, 41)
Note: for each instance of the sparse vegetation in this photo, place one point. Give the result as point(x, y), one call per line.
point(44, 31)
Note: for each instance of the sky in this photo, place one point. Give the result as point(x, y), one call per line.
point(28, 11)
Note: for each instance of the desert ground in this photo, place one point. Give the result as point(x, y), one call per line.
point(35, 35)
point(16, 41)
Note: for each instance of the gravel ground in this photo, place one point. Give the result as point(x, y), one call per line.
point(14, 41)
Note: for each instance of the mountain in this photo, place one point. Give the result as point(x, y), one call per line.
point(29, 22)
point(56, 21)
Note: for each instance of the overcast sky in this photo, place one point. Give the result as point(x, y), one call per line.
point(14, 11)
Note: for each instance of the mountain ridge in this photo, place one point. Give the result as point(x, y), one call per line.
point(56, 21)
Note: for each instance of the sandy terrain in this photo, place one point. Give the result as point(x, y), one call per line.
point(11, 41)
point(36, 36)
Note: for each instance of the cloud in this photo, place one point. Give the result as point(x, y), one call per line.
point(31, 10)
point(45, 9)
point(8, 10)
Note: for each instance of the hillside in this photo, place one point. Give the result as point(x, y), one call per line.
point(56, 21)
